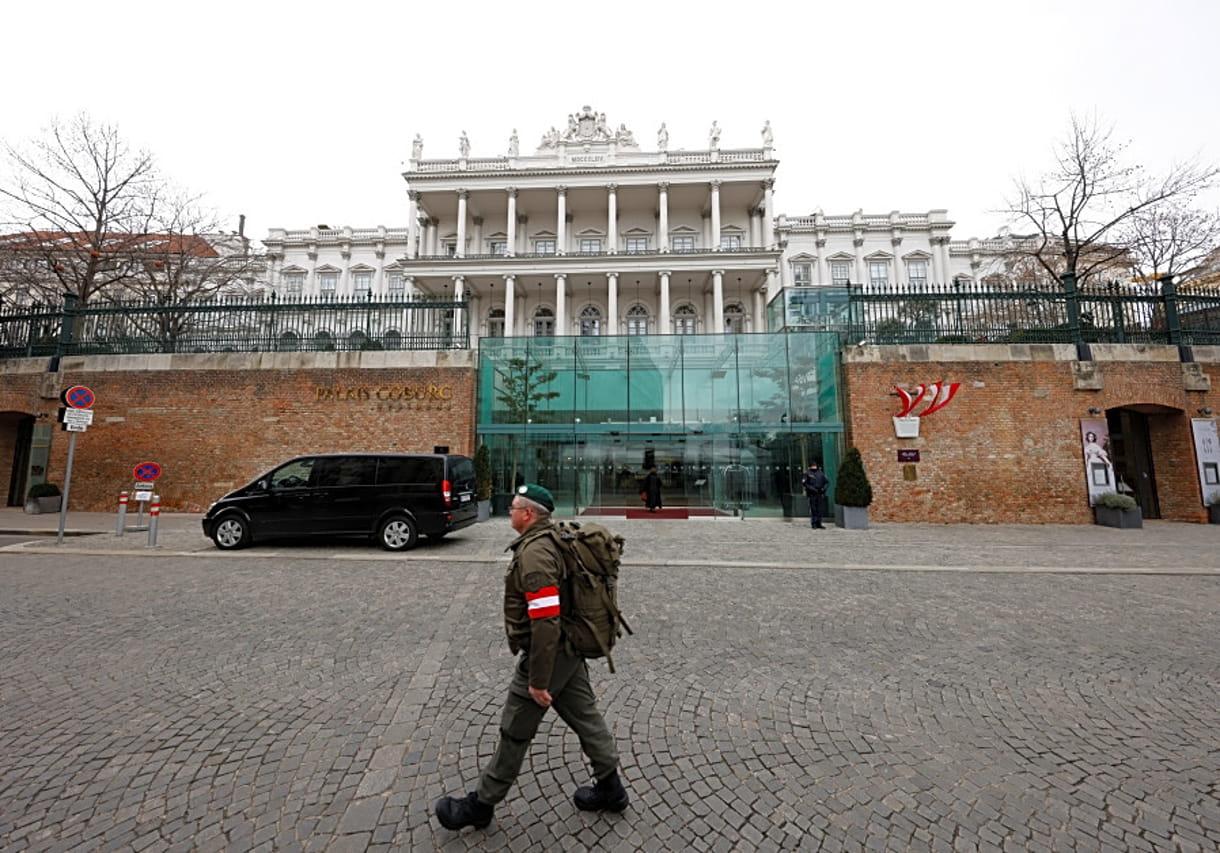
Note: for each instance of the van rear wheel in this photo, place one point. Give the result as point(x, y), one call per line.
point(397, 533)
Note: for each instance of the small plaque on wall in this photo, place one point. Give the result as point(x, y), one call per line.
point(908, 455)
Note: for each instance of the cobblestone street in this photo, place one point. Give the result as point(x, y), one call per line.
point(236, 702)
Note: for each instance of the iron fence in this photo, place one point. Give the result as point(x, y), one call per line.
point(234, 325)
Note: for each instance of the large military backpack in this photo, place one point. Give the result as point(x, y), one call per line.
point(589, 610)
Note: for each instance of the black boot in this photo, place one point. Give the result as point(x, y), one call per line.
point(605, 794)
point(468, 811)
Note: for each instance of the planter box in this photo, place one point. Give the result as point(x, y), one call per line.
point(1126, 519)
point(851, 517)
point(36, 506)
point(484, 510)
point(1213, 514)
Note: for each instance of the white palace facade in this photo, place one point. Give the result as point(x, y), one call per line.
point(590, 235)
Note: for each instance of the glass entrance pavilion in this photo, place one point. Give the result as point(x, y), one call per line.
point(729, 421)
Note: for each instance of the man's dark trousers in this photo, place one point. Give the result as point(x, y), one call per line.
point(573, 699)
point(815, 510)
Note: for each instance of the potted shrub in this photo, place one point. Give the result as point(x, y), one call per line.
point(1213, 509)
point(1111, 509)
point(482, 481)
point(42, 497)
point(853, 493)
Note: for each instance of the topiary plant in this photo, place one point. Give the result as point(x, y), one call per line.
point(1113, 500)
point(43, 490)
point(482, 473)
point(852, 487)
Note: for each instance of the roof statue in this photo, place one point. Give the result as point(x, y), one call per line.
point(713, 136)
point(417, 147)
point(767, 135)
point(663, 138)
point(464, 144)
point(514, 146)
point(584, 128)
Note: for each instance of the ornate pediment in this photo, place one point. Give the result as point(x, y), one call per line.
point(588, 128)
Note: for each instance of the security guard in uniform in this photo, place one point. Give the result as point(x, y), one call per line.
point(549, 674)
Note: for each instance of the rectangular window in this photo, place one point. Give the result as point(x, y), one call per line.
point(917, 272)
point(397, 285)
point(328, 282)
point(878, 273)
point(802, 275)
point(294, 283)
point(498, 247)
point(730, 241)
point(637, 244)
point(590, 245)
point(544, 247)
point(683, 243)
point(840, 273)
point(449, 250)
point(362, 283)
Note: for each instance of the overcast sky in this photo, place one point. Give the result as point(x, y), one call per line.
point(297, 114)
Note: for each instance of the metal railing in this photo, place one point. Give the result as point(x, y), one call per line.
point(233, 325)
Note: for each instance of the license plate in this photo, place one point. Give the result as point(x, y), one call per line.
point(463, 498)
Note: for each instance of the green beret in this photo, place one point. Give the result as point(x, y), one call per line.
point(538, 495)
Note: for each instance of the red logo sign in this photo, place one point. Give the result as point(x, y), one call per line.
point(937, 395)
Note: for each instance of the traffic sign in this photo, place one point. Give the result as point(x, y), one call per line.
point(76, 417)
point(78, 397)
point(147, 471)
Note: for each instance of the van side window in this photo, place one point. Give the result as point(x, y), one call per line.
point(345, 471)
point(461, 472)
point(294, 475)
point(395, 470)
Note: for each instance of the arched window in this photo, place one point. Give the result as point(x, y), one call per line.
point(734, 318)
point(685, 319)
point(495, 323)
point(357, 340)
point(392, 339)
point(323, 342)
point(544, 323)
point(637, 320)
point(590, 322)
point(289, 342)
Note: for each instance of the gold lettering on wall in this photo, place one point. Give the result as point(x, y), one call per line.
point(406, 396)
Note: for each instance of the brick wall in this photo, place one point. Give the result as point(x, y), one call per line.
point(1007, 449)
point(215, 422)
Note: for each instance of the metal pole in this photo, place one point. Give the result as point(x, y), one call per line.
point(63, 507)
point(122, 514)
point(154, 513)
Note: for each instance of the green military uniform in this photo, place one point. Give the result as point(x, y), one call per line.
point(532, 623)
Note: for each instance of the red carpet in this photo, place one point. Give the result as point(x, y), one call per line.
point(677, 512)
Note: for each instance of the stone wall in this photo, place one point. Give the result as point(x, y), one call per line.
point(214, 422)
point(1007, 448)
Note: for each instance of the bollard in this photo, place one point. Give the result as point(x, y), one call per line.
point(122, 514)
point(154, 512)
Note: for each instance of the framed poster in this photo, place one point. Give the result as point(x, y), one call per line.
point(1098, 468)
point(1207, 454)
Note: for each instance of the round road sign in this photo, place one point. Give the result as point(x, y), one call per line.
point(147, 471)
point(78, 397)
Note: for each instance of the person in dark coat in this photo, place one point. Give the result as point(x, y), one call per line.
point(816, 483)
point(652, 490)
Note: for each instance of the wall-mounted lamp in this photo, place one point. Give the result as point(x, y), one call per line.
point(1206, 410)
point(1093, 410)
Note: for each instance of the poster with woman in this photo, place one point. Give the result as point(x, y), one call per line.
point(1098, 467)
point(1207, 453)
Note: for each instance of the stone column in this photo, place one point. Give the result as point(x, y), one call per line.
point(412, 224)
point(379, 275)
point(717, 302)
point(940, 257)
point(511, 229)
point(663, 217)
point(715, 216)
point(612, 301)
point(461, 222)
point(477, 221)
point(522, 235)
point(510, 313)
point(861, 271)
point(561, 221)
point(822, 274)
point(459, 294)
point(768, 213)
point(561, 304)
point(664, 321)
point(612, 217)
point(760, 310)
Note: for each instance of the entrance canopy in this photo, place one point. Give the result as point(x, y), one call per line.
point(729, 421)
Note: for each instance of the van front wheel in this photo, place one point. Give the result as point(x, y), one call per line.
point(397, 533)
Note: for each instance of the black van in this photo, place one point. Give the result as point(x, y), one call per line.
point(393, 497)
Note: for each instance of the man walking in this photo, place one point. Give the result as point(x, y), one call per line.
point(816, 483)
point(549, 674)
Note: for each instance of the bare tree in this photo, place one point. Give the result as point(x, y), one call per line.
point(1077, 211)
point(96, 219)
point(1171, 238)
point(78, 195)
